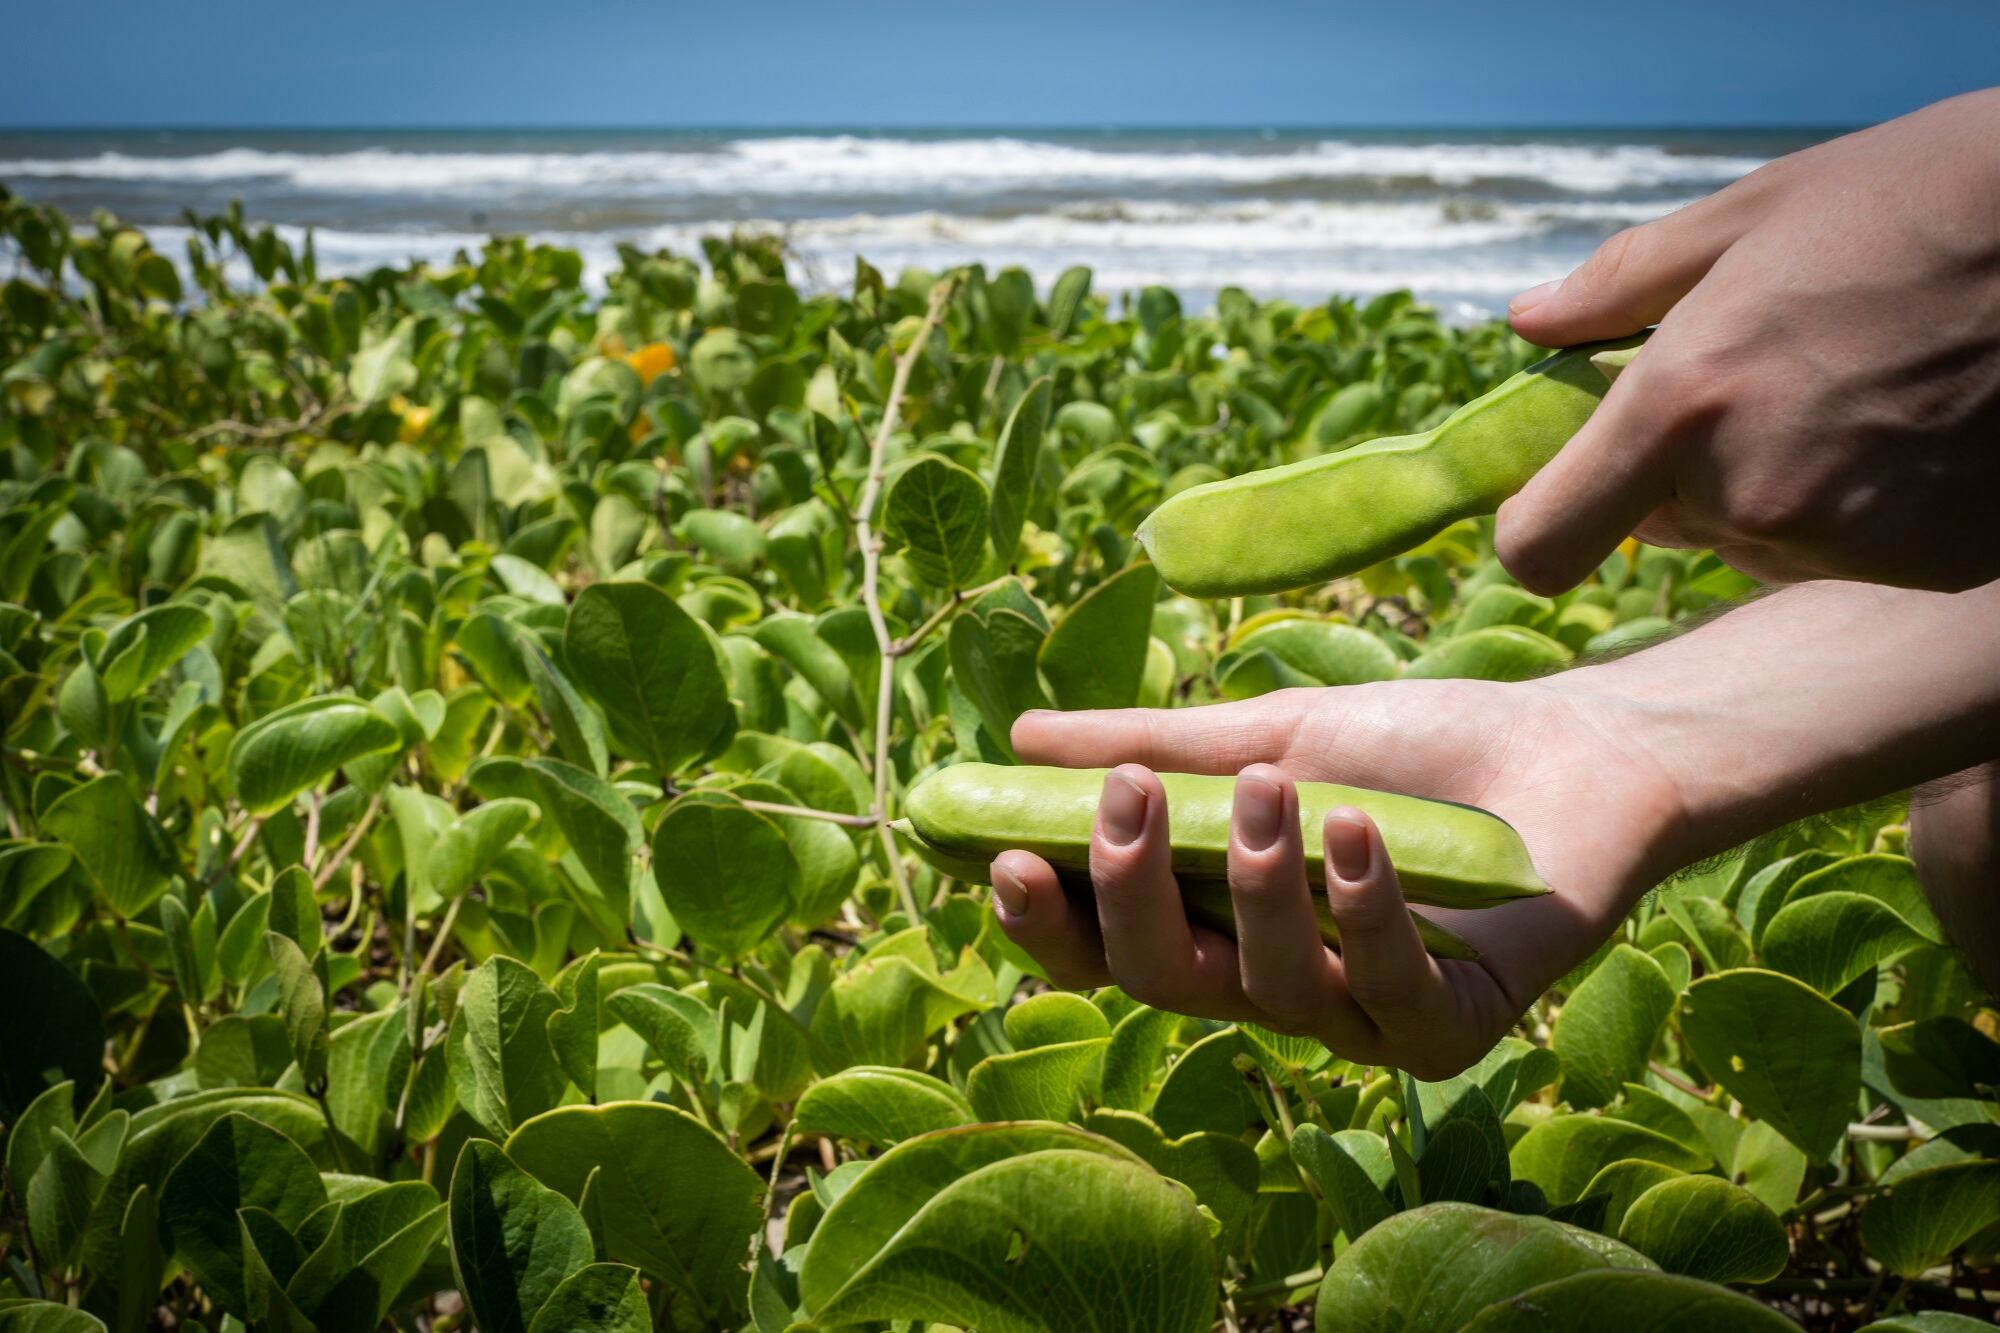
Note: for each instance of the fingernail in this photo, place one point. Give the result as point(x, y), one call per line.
point(1009, 891)
point(1346, 848)
point(1260, 813)
point(1533, 297)
point(1122, 809)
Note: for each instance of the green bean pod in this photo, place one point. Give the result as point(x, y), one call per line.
point(1304, 523)
point(1445, 855)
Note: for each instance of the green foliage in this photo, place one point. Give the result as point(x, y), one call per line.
point(447, 738)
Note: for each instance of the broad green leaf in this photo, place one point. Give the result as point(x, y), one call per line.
point(513, 1240)
point(726, 871)
point(1919, 1220)
point(1131, 1061)
point(128, 857)
point(1791, 1056)
point(1005, 1247)
point(1205, 1090)
point(578, 730)
point(1353, 1173)
point(1222, 1171)
point(1927, 1321)
point(1513, 1071)
point(597, 1298)
point(1608, 1025)
point(1640, 1105)
point(1037, 1084)
point(1622, 1182)
point(1703, 1227)
point(1561, 1155)
point(501, 1060)
point(1768, 1166)
point(993, 660)
point(862, 1221)
point(652, 668)
point(936, 511)
point(1766, 891)
point(238, 1163)
point(1941, 1057)
point(1829, 939)
point(669, 1196)
point(1016, 463)
point(574, 1028)
point(29, 1316)
point(59, 1199)
point(1052, 1017)
point(880, 1106)
point(143, 646)
point(302, 1005)
point(288, 752)
point(1890, 880)
point(794, 640)
point(1631, 1302)
point(1498, 652)
point(882, 1012)
point(54, 1031)
point(466, 849)
point(681, 1030)
point(1096, 655)
point(1437, 1266)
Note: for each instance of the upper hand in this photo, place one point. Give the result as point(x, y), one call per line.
point(1822, 396)
point(1596, 812)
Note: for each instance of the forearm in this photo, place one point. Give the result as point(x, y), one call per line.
point(1955, 838)
point(1813, 698)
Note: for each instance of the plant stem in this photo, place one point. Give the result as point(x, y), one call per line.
point(958, 598)
point(871, 591)
point(348, 844)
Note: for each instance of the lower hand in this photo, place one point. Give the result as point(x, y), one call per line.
point(1596, 813)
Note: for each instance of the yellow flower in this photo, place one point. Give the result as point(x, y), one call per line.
point(651, 361)
point(416, 420)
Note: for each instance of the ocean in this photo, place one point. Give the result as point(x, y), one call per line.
point(1463, 218)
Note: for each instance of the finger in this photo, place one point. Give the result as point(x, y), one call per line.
point(1612, 474)
point(1215, 738)
point(1284, 967)
point(1153, 954)
point(1032, 908)
point(1635, 277)
point(1387, 971)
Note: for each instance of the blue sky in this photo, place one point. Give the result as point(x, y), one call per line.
point(950, 62)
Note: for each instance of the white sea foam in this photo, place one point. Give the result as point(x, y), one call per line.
point(847, 165)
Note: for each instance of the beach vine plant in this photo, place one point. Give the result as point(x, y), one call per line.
point(451, 724)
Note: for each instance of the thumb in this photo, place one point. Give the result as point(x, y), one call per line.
point(1631, 280)
point(1596, 490)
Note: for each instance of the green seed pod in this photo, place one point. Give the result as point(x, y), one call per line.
point(1445, 855)
point(1304, 523)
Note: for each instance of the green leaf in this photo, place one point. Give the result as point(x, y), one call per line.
point(1435, 1267)
point(993, 660)
point(17, 1316)
point(794, 640)
point(1620, 1183)
point(1631, 1302)
point(574, 1028)
point(1928, 1321)
point(1608, 1025)
point(513, 1240)
point(681, 1030)
point(1003, 1248)
point(1038, 1084)
point(1791, 1056)
point(54, 1032)
point(1053, 1017)
point(143, 646)
point(1353, 1172)
point(936, 510)
point(383, 368)
point(863, 1220)
point(467, 848)
point(1919, 1220)
point(500, 1055)
point(1941, 1057)
point(1096, 655)
point(1205, 1090)
point(1222, 1171)
point(1498, 652)
point(598, 1298)
point(301, 1004)
point(1016, 463)
point(651, 667)
point(1132, 1059)
point(285, 753)
point(238, 1163)
point(123, 850)
point(670, 1197)
point(1829, 939)
point(1768, 1166)
point(1703, 1227)
point(59, 1199)
point(726, 871)
point(1562, 1154)
point(884, 1010)
point(880, 1106)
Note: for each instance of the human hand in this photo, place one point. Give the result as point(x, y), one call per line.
point(1595, 811)
point(1822, 396)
